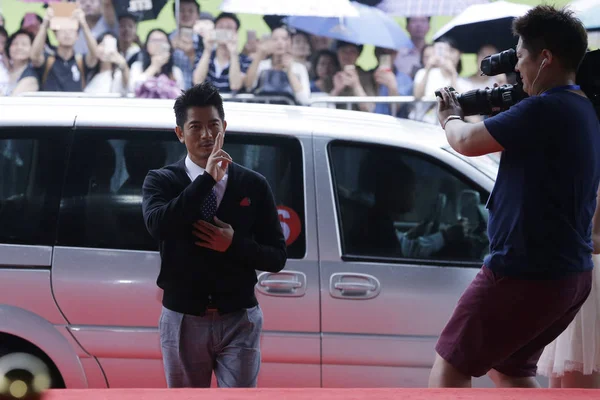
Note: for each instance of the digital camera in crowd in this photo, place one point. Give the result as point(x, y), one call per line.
point(490, 100)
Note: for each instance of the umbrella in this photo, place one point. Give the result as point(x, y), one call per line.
point(426, 8)
point(141, 10)
point(372, 26)
point(311, 8)
point(588, 12)
point(483, 24)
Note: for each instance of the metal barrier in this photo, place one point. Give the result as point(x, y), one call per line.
point(76, 95)
point(242, 98)
point(250, 98)
point(394, 101)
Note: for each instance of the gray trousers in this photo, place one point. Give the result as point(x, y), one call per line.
point(192, 347)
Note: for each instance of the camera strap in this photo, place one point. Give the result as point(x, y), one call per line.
point(560, 89)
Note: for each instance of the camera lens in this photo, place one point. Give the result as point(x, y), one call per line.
point(499, 63)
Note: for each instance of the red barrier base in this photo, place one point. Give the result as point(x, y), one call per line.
point(321, 394)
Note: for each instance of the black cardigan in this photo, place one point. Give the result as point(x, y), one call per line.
point(194, 277)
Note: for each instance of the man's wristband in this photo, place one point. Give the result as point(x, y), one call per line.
point(450, 118)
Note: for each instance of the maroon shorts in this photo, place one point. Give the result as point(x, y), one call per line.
point(504, 323)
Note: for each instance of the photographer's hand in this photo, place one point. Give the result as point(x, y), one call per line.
point(448, 105)
point(467, 139)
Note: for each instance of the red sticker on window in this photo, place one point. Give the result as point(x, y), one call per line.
point(290, 223)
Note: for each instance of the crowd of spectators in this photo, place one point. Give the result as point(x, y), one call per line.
point(104, 54)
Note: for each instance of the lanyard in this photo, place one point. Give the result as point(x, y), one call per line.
point(561, 88)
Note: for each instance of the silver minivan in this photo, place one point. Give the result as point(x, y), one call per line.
point(78, 269)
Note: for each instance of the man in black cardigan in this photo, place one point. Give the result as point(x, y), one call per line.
point(216, 223)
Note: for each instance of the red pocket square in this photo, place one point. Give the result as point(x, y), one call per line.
point(245, 202)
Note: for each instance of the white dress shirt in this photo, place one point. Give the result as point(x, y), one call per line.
point(194, 170)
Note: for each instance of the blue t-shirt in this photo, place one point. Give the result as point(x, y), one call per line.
point(541, 208)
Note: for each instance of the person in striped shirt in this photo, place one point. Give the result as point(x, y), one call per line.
point(221, 63)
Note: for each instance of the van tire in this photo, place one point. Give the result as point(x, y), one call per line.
point(19, 346)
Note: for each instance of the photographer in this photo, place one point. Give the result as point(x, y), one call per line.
point(538, 271)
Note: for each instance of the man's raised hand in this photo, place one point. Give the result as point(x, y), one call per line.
point(218, 160)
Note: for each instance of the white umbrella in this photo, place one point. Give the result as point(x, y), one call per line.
point(483, 24)
point(425, 8)
point(307, 8)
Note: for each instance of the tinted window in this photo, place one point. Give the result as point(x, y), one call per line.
point(32, 166)
point(279, 159)
point(400, 204)
point(102, 201)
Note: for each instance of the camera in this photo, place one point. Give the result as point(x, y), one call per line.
point(486, 101)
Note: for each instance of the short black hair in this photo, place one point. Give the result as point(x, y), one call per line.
point(185, 1)
point(340, 43)
point(557, 30)
point(315, 60)
point(3, 32)
point(230, 16)
point(204, 94)
point(128, 15)
point(12, 38)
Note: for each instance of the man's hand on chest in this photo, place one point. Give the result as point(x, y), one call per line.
point(216, 237)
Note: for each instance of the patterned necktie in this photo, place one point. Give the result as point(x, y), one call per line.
point(209, 206)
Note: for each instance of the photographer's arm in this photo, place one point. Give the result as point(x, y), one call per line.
point(466, 138)
point(471, 139)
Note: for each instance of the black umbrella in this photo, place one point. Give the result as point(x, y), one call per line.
point(371, 3)
point(483, 24)
point(141, 10)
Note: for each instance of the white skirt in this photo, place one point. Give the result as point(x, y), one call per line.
point(578, 347)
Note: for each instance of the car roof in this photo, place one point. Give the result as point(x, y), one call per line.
point(244, 117)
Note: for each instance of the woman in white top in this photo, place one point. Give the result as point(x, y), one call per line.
point(279, 73)
point(111, 75)
point(157, 59)
point(21, 76)
point(442, 68)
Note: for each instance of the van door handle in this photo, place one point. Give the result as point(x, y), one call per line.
point(284, 283)
point(353, 286)
point(281, 284)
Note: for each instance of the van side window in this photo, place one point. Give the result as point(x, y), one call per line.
point(279, 159)
point(32, 162)
point(101, 206)
point(102, 201)
point(399, 204)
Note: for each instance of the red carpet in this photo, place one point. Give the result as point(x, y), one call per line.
point(322, 394)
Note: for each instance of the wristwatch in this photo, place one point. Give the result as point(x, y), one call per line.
point(450, 118)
